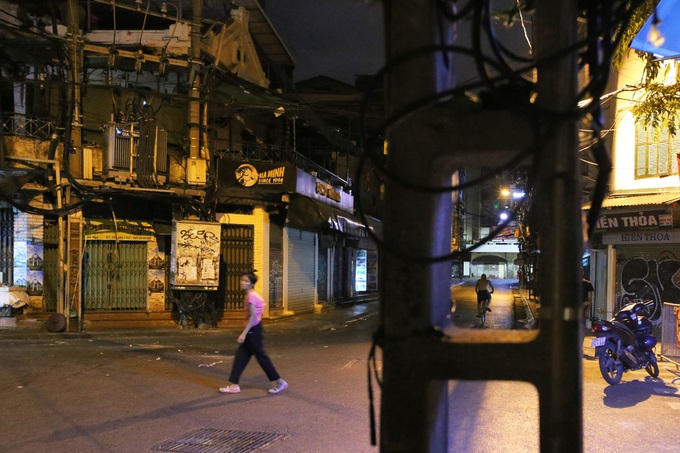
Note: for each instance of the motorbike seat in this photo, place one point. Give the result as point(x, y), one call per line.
point(624, 326)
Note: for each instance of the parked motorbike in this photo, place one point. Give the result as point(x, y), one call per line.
point(625, 343)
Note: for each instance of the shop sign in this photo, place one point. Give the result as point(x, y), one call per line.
point(328, 191)
point(634, 220)
point(248, 175)
point(252, 174)
point(316, 189)
point(642, 237)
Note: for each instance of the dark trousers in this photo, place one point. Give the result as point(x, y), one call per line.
point(252, 346)
point(482, 295)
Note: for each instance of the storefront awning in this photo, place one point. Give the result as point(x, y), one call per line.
point(669, 28)
point(309, 214)
point(119, 230)
point(621, 201)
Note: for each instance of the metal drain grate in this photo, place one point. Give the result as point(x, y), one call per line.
point(219, 441)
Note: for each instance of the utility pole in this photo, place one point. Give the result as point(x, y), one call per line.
point(424, 149)
point(75, 160)
point(560, 228)
point(195, 80)
point(64, 293)
point(414, 407)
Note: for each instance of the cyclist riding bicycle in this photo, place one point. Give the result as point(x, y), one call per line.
point(484, 288)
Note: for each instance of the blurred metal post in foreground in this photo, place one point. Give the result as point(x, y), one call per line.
point(425, 148)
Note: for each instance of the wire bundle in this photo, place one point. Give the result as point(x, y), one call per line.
point(502, 80)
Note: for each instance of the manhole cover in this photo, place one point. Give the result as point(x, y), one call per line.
point(219, 441)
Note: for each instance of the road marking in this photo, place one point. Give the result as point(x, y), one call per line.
point(351, 363)
point(209, 364)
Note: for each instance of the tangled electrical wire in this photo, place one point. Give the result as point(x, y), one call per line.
point(194, 308)
point(499, 77)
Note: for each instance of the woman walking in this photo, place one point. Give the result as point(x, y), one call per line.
point(251, 340)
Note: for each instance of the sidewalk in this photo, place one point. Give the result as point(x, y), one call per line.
point(327, 319)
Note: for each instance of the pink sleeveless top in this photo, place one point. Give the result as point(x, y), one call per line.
point(254, 299)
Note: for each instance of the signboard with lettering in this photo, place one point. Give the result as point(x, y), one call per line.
point(261, 175)
point(642, 237)
point(316, 189)
point(195, 257)
point(612, 221)
point(118, 230)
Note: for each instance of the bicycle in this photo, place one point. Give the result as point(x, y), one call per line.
point(482, 308)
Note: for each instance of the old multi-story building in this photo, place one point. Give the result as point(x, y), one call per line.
point(636, 247)
point(151, 152)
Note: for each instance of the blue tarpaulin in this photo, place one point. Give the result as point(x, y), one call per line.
point(669, 15)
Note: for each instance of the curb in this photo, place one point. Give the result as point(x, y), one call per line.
point(325, 320)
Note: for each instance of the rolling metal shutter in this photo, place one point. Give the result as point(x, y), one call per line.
point(300, 270)
point(648, 271)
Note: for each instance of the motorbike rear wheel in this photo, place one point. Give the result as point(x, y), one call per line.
point(611, 370)
point(652, 368)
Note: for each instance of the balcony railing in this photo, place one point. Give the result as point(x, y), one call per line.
point(25, 126)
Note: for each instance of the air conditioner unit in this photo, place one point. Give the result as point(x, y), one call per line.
point(123, 153)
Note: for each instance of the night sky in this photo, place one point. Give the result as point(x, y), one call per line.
point(345, 38)
point(335, 38)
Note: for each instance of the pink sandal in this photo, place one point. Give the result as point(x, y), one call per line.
point(233, 388)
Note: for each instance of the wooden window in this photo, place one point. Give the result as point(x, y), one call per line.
point(655, 153)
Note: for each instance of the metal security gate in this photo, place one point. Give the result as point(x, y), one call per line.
point(275, 267)
point(6, 245)
point(51, 266)
point(115, 275)
point(237, 255)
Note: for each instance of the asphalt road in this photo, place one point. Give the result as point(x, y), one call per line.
point(503, 306)
point(128, 394)
point(134, 393)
